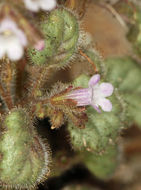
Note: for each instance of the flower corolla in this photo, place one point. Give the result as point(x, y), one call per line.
point(95, 95)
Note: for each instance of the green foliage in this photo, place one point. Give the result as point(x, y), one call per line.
point(101, 129)
point(61, 32)
point(125, 74)
point(132, 13)
point(102, 166)
point(134, 34)
point(24, 159)
point(123, 8)
point(137, 17)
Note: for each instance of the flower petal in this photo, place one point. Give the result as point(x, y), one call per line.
point(81, 96)
point(15, 50)
point(47, 4)
point(94, 80)
point(31, 5)
point(9, 25)
point(96, 108)
point(2, 47)
point(105, 104)
point(106, 89)
point(20, 34)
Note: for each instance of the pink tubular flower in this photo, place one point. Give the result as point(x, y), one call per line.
point(95, 95)
point(36, 5)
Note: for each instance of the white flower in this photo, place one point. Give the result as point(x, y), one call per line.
point(35, 5)
point(12, 40)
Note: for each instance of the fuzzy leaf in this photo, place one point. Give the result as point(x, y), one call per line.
point(125, 74)
point(102, 166)
point(24, 161)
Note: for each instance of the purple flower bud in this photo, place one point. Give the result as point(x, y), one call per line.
point(40, 45)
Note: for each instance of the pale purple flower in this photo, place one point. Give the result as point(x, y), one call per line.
point(95, 95)
point(12, 40)
point(36, 5)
